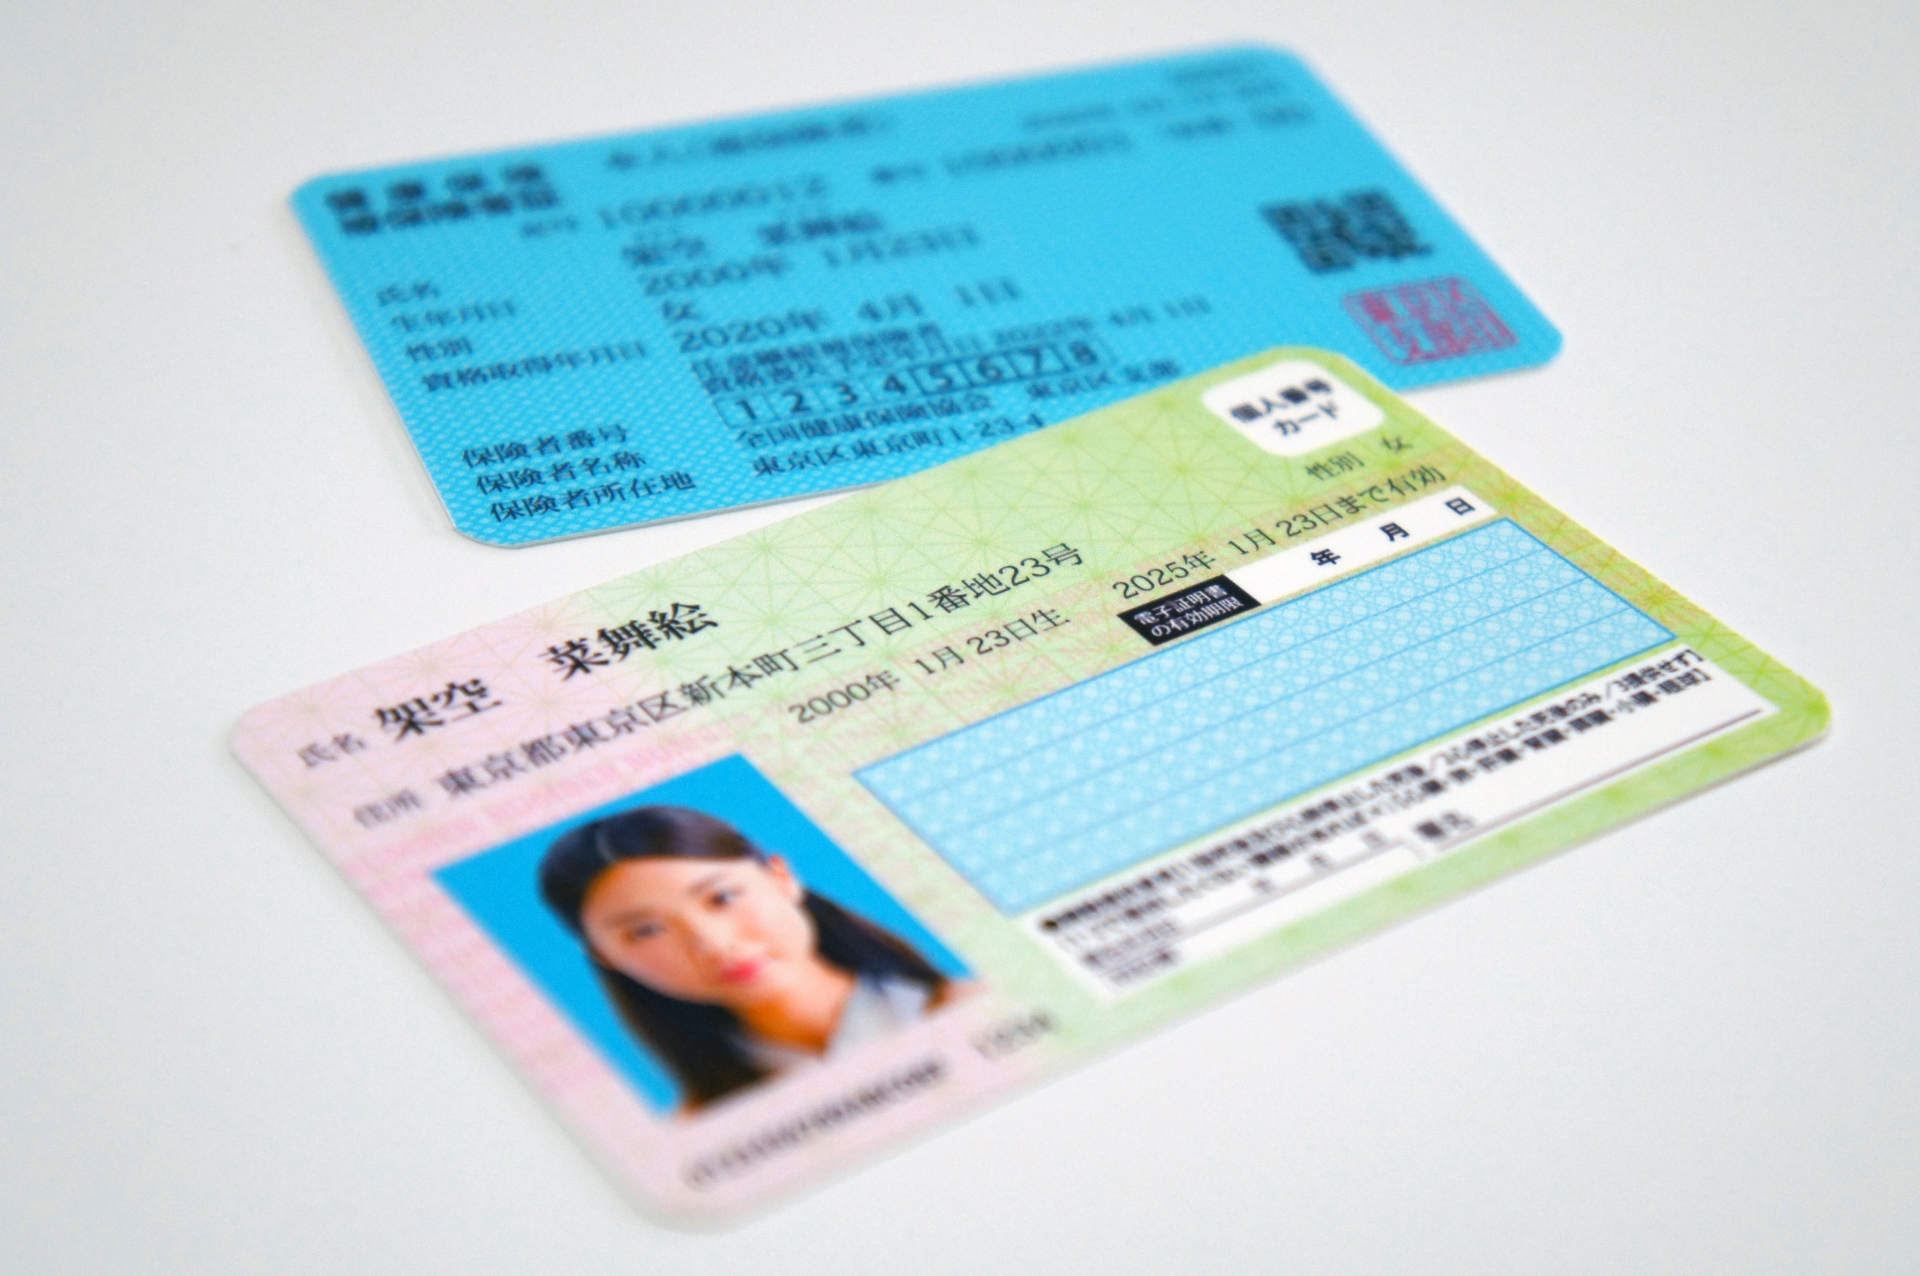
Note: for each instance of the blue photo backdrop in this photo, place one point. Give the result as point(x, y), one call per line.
point(499, 889)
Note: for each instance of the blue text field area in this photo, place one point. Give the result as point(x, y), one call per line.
point(1053, 795)
point(623, 330)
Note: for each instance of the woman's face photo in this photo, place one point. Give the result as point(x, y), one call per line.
point(725, 932)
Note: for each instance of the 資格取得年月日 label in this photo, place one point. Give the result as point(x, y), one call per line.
point(602, 333)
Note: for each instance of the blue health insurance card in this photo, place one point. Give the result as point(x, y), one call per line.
point(604, 333)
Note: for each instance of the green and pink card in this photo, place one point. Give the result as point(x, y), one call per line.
point(759, 861)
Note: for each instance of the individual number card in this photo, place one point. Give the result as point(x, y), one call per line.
point(597, 334)
point(760, 860)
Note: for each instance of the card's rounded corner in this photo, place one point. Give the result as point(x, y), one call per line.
point(307, 192)
point(240, 734)
point(1344, 366)
point(1818, 712)
point(469, 534)
point(234, 735)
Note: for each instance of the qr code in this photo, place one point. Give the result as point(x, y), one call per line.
point(1429, 320)
point(1336, 234)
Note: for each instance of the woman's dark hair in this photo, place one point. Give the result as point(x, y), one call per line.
point(701, 1042)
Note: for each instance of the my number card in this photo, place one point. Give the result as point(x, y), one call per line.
point(603, 333)
point(763, 859)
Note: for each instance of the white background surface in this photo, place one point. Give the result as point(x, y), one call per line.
point(1688, 1047)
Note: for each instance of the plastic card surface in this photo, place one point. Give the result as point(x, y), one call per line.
point(603, 333)
point(760, 860)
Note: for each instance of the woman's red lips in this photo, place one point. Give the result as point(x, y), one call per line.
point(740, 972)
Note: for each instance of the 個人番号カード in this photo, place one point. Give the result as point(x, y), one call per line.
point(760, 860)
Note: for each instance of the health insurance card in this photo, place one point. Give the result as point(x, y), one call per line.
point(603, 333)
point(763, 859)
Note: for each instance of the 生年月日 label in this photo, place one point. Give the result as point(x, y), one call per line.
point(596, 334)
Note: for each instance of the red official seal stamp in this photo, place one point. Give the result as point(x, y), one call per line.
point(1430, 320)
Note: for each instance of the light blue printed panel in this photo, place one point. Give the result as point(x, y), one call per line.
point(1045, 798)
point(617, 331)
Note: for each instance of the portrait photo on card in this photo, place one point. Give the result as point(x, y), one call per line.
point(706, 936)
